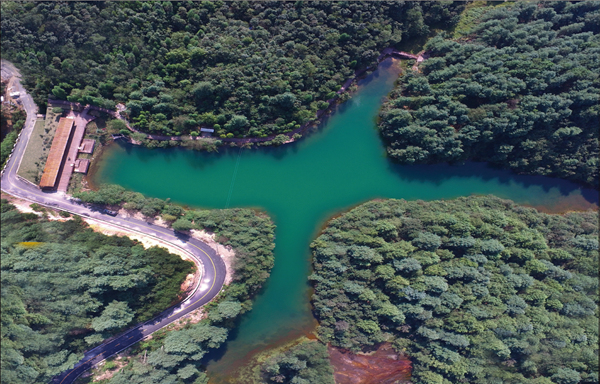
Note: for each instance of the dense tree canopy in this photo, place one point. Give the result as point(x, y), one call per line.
point(246, 68)
point(520, 90)
point(65, 288)
point(176, 357)
point(304, 363)
point(476, 289)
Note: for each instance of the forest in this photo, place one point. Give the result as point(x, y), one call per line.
point(304, 363)
point(65, 288)
point(519, 89)
point(245, 68)
point(473, 290)
point(176, 356)
point(10, 133)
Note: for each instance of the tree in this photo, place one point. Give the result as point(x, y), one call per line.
point(59, 93)
point(182, 225)
point(237, 122)
point(427, 241)
point(202, 90)
point(506, 112)
point(473, 305)
point(566, 376)
point(116, 315)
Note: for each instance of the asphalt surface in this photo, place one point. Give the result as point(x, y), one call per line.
point(212, 265)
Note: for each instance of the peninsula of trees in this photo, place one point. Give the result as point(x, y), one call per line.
point(176, 356)
point(476, 289)
point(246, 68)
point(519, 89)
point(66, 288)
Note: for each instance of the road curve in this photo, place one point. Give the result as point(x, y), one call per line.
point(212, 265)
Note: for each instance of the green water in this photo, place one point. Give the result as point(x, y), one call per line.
point(303, 184)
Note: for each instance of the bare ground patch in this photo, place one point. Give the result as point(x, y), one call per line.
point(383, 366)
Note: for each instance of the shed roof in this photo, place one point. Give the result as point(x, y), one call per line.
point(57, 152)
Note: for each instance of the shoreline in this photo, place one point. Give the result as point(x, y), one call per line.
point(358, 75)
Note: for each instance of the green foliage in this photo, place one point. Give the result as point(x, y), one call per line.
point(249, 233)
point(182, 225)
point(61, 282)
point(476, 289)
point(115, 315)
point(117, 126)
point(7, 145)
point(64, 214)
point(522, 93)
point(269, 64)
point(18, 118)
point(307, 363)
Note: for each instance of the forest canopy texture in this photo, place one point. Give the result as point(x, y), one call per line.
point(304, 363)
point(520, 89)
point(476, 289)
point(66, 288)
point(177, 356)
point(246, 68)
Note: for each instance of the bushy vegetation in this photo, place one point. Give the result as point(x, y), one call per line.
point(304, 363)
point(177, 356)
point(246, 68)
point(520, 90)
point(18, 119)
point(248, 232)
point(476, 289)
point(66, 288)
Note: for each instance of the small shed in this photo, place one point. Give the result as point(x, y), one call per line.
point(206, 131)
point(87, 146)
point(82, 165)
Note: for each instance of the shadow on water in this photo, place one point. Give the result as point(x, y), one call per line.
point(216, 354)
point(199, 160)
point(437, 174)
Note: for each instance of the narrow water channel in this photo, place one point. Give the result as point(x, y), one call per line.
point(303, 184)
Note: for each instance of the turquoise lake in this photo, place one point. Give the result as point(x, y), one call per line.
point(303, 184)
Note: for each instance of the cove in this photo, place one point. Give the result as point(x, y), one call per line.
point(303, 184)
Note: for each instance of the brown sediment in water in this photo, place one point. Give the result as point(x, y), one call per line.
point(232, 373)
point(384, 366)
point(566, 204)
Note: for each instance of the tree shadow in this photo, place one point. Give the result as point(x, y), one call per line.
point(437, 174)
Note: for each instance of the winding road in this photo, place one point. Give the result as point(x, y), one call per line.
point(204, 257)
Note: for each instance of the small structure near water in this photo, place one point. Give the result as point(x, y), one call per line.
point(87, 146)
point(207, 131)
point(82, 165)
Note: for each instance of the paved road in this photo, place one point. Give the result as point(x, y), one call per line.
point(213, 266)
